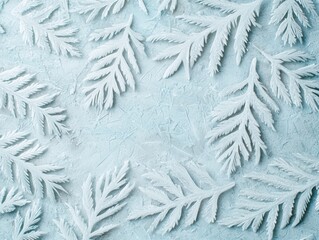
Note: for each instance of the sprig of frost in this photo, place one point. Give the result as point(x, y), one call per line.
point(38, 27)
point(113, 61)
point(170, 198)
point(277, 195)
point(24, 97)
point(237, 131)
point(99, 204)
point(188, 48)
point(17, 153)
point(10, 200)
point(26, 228)
point(300, 86)
point(291, 15)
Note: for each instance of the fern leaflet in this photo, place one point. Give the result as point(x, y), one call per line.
point(17, 152)
point(188, 48)
point(237, 130)
point(10, 200)
point(291, 181)
point(298, 79)
point(107, 199)
point(290, 15)
point(2, 3)
point(111, 70)
point(169, 5)
point(172, 198)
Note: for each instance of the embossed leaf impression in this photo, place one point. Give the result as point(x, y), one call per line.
point(287, 190)
point(111, 190)
point(38, 27)
point(2, 3)
point(10, 200)
point(171, 197)
point(26, 228)
point(113, 61)
point(24, 97)
point(167, 5)
point(298, 80)
point(189, 47)
point(291, 15)
point(237, 130)
point(17, 153)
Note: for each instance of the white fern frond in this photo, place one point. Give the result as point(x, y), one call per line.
point(113, 64)
point(26, 228)
point(99, 204)
point(2, 3)
point(17, 153)
point(301, 87)
point(142, 6)
point(291, 16)
point(38, 27)
point(173, 197)
point(237, 133)
point(167, 5)
point(24, 97)
point(10, 200)
point(187, 51)
point(278, 205)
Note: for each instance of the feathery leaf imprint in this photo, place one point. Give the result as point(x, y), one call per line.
point(290, 15)
point(299, 87)
point(26, 228)
point(291, 190)
point(2, 3)
point(188, 48)
point(111, 71)
point(17, 153)
point(22, 96)
point(38, 28)
point(237, 131)
point(111, 190)
point(167, 5)
point(10, 200)
point(172, 198)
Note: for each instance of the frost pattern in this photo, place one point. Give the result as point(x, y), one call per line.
point(103, 203)
point(189, 47)
point(17, 153)
point(290, 15)
point(237, 131)
point(289, 182)
point(299, 82)
point(10, 200)
point(26, 228)
point(24, 97)
point(113, 61)
point(172, 198)
point(38, 28)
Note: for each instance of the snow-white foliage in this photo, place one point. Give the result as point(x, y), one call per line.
point(142, 6)
point(285, 191)
point(172, 197)
point(291, 15)
point(100, 204)
point(189, 47)
point(237, 131)
point(10, 200)
point(26, 228)
point(24, 97)
point(167, 5)
point(2, 3)
point(300, 86)
point(17, 152)
point(39, 27)
point(111, 71)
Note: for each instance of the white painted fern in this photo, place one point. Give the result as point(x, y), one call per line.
point(26, 228)
point(2, 3)
point(171, 198)
point(188, 48)
point(98, 205)
point(38, 27)
point(17, 153)
point(237, 131)
point(286, 192)
point(167, 5)
point(24, 97)
point(291, 15)
point(10, 200)
point(300, 86)
point(113, 61)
